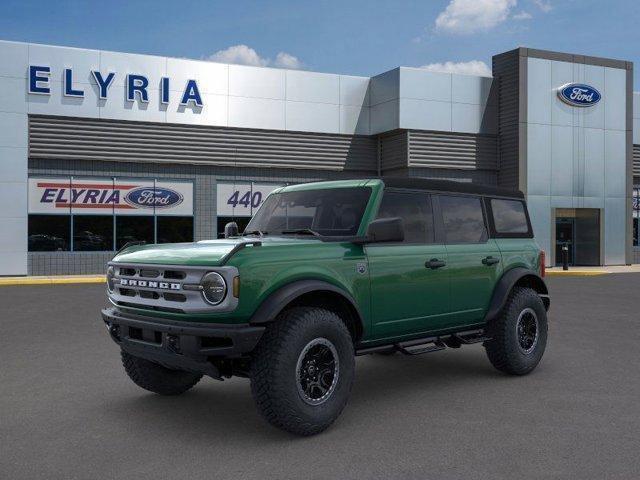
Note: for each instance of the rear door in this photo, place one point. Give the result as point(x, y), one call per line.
point(409, 280)
point(474, 260)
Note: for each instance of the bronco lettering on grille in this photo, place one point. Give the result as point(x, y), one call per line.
point(150, 284)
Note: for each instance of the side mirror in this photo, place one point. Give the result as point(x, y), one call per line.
point(231, 230)
point(385, 230)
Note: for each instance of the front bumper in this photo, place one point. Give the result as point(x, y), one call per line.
point(180, 345)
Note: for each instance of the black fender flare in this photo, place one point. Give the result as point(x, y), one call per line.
point(506, 284)
point(278, 300)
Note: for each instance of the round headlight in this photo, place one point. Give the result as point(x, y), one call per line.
point(111, 272)
point(214, 288)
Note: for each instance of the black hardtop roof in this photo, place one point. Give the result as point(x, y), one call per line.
point(415, 183)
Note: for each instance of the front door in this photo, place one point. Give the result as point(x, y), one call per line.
point(475, 262)
point(409, 280)
point(564, 238)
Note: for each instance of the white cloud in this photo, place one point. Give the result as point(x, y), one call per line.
point(240, 54)
point(473, 67)
point(245, 55)
point(522, 16)
point(543, 5)
point(286, 60)
point(469, 16)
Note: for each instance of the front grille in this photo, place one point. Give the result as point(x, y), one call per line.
point(174, 297)
point(147, 273)
point(149, 294)
point(174, 275)
point(161, 288)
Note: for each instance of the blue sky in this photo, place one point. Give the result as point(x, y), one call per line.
point(351, 37)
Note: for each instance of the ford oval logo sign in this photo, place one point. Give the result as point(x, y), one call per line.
point(149, 197)
point(579, 95)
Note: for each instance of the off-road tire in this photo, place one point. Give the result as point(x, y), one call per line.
point(156, 378)
point(503, 348)
point(274, 375)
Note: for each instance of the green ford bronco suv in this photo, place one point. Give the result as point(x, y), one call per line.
point(327, 271)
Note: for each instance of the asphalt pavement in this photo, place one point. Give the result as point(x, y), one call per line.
point(68, 411)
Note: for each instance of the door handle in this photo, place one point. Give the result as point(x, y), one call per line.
point(434, 263)
point(490, 260)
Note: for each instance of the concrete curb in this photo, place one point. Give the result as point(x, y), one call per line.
point(53, 280)
point(569, 273)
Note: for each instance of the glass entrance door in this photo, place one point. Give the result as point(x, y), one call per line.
point(565, 230)
point(579, 230)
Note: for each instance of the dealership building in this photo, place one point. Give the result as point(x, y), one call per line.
point(100, 148)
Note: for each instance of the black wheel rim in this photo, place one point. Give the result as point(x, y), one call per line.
point(527, 331)
point(317, 371)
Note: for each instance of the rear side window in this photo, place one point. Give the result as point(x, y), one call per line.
point(509, 216)
point(415, 211)
point(463, 219)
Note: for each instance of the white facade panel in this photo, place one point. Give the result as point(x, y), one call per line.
point(425, 114)
point(154, 68)
point(539, 207)
point(14, 59)
point(214, 111)
point(13, 93)
point(384, 117)
point(13, 232)
point(615, 220)
point(539, 157)
point(13, 198)
point(561, 150)
point(211, 77)
point(539, 87)
point(118, 107)
point(13, 130)
point(312, 117)
point(385, 87)
point(470, 89)
point(58, 104)
point(13, 164)
point(257, 82)
point(615, 101)
point(466, 118)
point(354, 91)
point(425, 85)
point(256, 113)
point(594, 163)
point(354, 120)
point(593, 117)
point(313, 87)
point(14, 262)
point(615, 175)
point(81, 61)
point(561, 113)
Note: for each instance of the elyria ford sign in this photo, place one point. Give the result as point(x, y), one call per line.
point(136, 86)
point(579, 95)
point(106, 196)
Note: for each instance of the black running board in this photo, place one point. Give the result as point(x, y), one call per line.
point(419, 346)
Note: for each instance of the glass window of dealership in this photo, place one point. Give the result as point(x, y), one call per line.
point(100, 148)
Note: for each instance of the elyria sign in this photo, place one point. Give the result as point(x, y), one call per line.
point(136, 86)
point(579, 95)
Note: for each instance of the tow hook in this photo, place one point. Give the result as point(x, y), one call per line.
point(173, 343)
point(114, 331)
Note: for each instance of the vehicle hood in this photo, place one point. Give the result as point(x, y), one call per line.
point(203, 253)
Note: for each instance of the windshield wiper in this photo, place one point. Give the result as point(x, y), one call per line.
point(254, 232)
point(302, 231)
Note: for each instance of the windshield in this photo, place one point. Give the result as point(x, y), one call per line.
point(327, 212)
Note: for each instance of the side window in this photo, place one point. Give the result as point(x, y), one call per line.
point(415, 211)
point(463, 219)
point(509, 216)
